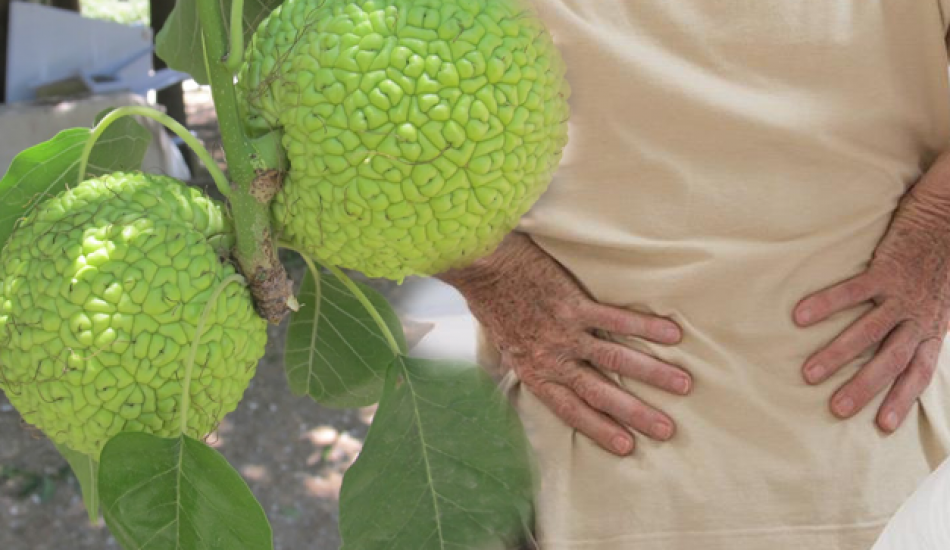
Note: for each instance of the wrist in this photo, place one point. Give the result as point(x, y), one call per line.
point(487, 271)
point(930, 196)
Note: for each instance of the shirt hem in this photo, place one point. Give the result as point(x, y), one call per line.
point(854, 536)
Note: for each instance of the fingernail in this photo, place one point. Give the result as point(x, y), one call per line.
point(681, 385)
point(662, 430)
point(622, 445)
point(890, 421)
point(671, 333)
point(804, 315)
point(813, 373)
point(844, 406)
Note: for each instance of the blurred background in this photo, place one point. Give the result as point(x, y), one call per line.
point(61, 63)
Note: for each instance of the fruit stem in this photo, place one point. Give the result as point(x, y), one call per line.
point(353, 288)
point(255, 251)
point(190, 363)
point(220, 180)
point(236, 51)
point(373, 312)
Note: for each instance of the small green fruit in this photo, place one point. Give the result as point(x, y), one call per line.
point(101, 291)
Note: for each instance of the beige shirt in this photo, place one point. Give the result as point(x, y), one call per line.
point(727, 158)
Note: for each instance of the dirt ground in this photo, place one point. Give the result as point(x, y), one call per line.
point(291, 451)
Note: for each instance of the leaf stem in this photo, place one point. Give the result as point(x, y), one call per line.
point(348, 283)
point(220, 180)
point(357, 293)
point(236, 50)
point(190, 363)
point(315, 273)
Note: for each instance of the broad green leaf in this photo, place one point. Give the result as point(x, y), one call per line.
point(179, 41)
point(445, 465)
point(46, 169)
point(334, 351)
point(166, 494)
point(87, 471)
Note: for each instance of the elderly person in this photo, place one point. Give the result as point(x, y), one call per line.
point(723, 323)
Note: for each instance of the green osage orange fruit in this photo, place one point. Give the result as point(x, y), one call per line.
point(418, 131)
point(101, 291)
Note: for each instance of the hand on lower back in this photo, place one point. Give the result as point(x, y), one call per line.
point(908, 283)
point(545, 327)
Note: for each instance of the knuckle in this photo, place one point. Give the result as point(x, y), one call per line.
point(562, 357)
point(874, 330)
point(642, 417)
point(611, 358)
point(613, 321)
point(654, 327)
point(904, 353)
point(926, 371)
point(657, 375)
point(591, 392)
point(820, 304)
point(620, 321)
point(857, 290)
point(894, 364)
point(861, 392)
point(568, 411)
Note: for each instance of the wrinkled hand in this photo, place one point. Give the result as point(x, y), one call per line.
point(908, 282)
point(545, 327)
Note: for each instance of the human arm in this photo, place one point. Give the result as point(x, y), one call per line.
point(544, 326)
point(908, 282)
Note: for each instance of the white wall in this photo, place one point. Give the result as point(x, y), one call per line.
point(47, 44)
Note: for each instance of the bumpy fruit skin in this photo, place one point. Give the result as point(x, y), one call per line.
point(418, 131)
point(101, 290)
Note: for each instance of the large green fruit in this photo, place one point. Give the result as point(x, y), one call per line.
point(418, 131)
point(101, 291)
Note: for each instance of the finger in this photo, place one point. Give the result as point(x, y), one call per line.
point(631, 323)
point(637, 365)
point(867, 331)
point(822, 304)
point(602, 394)
point(879, 373)
point(908, 387)
point(576, 413)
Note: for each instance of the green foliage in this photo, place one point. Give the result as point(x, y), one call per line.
point(179, 42)
point(86, 470)
point(163, 494)
point(445, 465)
point(120, 11)
point(46, 169)
point(334, 351)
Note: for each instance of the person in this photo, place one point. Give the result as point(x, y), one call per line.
point(723, 324)
point(923, 521)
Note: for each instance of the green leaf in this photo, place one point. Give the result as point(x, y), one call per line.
point(179, 41)
point(445, 465)
point(334, 351)
point(46, 169)
point(86, 470)
point(165, 494)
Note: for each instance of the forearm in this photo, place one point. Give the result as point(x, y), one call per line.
point(926, 206)
point(934, 186)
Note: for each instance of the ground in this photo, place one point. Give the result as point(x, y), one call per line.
point(291, 451)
